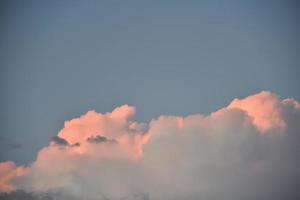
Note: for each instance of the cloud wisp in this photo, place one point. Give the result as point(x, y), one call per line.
point(247, 150)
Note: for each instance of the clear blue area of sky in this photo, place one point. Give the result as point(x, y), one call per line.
point(60, 59)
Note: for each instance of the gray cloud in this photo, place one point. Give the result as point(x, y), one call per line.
point(55, 195)
point(23, 195)
point(100, 139)
point(62, 142)
point(59, 141)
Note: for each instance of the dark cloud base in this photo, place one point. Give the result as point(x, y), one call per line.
point(22, 195)
point(60, 195)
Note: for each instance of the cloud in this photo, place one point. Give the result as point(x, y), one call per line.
point(25, 195)
point(54, 195)
point(99, 139)
point(265, 109)
point(9, 171)
point(59, 141)
point(56, 140)
point(246, 150)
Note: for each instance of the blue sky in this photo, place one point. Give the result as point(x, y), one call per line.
point(60, 59)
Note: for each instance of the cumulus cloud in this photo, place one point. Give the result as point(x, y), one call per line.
point(8, 172)
point(264, 108)
point(247, 150)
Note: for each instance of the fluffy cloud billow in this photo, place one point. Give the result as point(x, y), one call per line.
point(247, 150)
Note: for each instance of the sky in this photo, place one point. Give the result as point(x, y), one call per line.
point(61, 59)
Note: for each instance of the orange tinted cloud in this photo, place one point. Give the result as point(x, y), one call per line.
point(264, 108)
point(115, 126)
point(111, 154)
point(9, 171)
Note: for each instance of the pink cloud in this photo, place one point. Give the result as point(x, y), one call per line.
point(112, 154)
point(265, 108)
point(9, 171)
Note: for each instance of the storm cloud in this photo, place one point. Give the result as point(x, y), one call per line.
point(246, 150)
